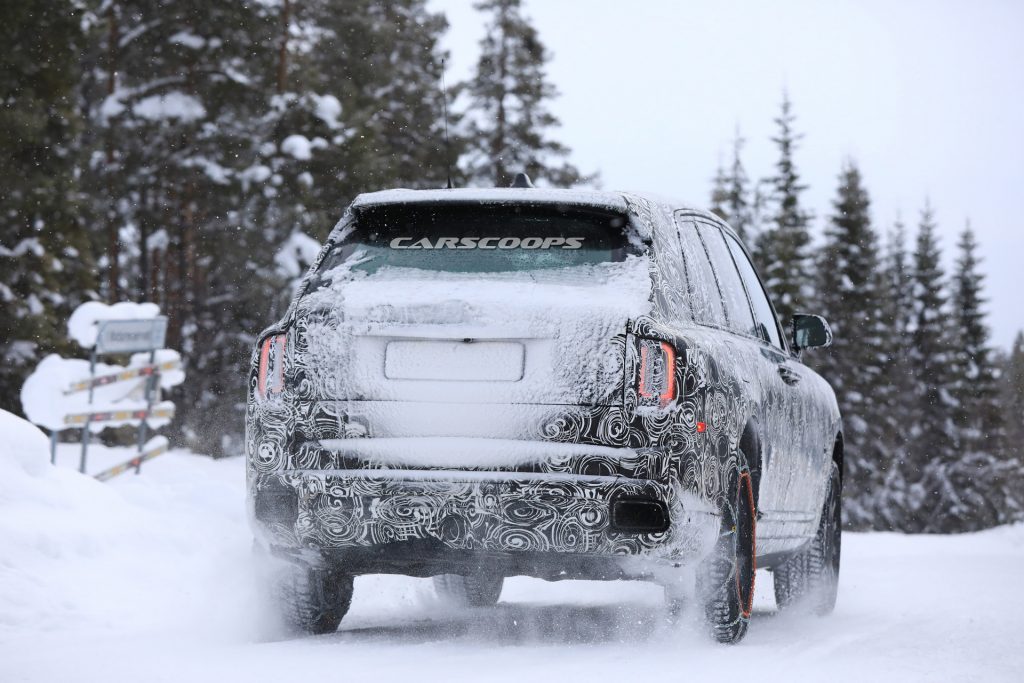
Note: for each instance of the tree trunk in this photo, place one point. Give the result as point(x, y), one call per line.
point(112, 227)
point(282, 53)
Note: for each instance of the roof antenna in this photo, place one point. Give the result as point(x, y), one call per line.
point(447, 142)
point(521, 180)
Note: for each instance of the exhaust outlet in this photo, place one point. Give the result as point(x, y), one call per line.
point(639, 515)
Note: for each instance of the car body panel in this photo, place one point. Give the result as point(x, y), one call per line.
point(574, 428)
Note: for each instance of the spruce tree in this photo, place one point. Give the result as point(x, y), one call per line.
point(357, 93)
point(738, 201)
point(934, 503)
point(979, 419)
point(172, 94)
point(730, 195)
point(782, 249)
point(851, 298)
point(895, 391)
point(1012, 395)
point(45, 263)
point(351, 102)
point(986, 478)
point(218, 131)
point(508, 119)
point(720, 193)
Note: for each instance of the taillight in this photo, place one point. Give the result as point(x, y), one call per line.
point(271, 375)
point(657, 384)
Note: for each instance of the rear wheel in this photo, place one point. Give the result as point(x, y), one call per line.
point(313, 601)
point(811, 578)
point(475, 590)
point(726, 578)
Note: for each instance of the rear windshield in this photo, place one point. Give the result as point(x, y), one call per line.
point(481, 239)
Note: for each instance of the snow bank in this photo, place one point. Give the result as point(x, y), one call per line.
point(26, 450)
point(82, 323)
point(153, 550)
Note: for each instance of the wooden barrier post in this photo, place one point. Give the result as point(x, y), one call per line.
point(152, 386)
point(86, 433)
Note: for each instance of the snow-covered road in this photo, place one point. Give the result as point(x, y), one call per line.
point(147, 579)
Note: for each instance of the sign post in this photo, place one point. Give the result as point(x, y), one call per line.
point(122, 337)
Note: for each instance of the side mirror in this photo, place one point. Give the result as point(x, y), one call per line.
point(810, 331)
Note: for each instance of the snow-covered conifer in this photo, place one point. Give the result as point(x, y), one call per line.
point(45, 264)
point(933, 503)
point(782, 251)
point(508, 117)
point(850, 297)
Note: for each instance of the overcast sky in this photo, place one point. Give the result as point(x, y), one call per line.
point(927, 97)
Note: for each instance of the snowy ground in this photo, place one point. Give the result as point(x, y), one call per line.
point(146, 578)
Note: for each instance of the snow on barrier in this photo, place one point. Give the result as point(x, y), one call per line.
point(119, 416)
point(133, 373)
point(59, 396)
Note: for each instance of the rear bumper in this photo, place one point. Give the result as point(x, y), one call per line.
point(420, 521)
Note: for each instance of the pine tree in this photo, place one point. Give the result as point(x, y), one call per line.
point(357, 95)
point(720, 193)
point(509, 119)
point(45, 264)
point(782, 250)
point(934, 504)
point(895, 392)
point(985, 478)
point(351, 103)
point(851, 298)
point(979, 418)
point(737, 199)
point(1012, 393)
point(172, 93)
point(219, 132)
point(730, 196)
point(354, 104)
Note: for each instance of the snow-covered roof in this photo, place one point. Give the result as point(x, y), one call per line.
point(606, 199)
point(497, 195)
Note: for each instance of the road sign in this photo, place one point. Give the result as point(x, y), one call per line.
point(130, 336)
point(131, 373)
point(157, 446)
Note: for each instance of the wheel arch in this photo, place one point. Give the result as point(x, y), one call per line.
point(837, 453)
point(750, 443)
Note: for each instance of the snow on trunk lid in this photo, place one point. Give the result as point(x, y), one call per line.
point(474, 303)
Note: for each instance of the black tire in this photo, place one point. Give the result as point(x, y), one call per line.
point(313, 601)
point(475, 590)
point(810, 579)
point(726, 578)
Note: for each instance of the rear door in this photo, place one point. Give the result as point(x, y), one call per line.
point(790, 411)
point(748, 356)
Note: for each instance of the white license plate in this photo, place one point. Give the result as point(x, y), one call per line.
point(454, 360)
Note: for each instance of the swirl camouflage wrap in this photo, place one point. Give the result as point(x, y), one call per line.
point(506, 413)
